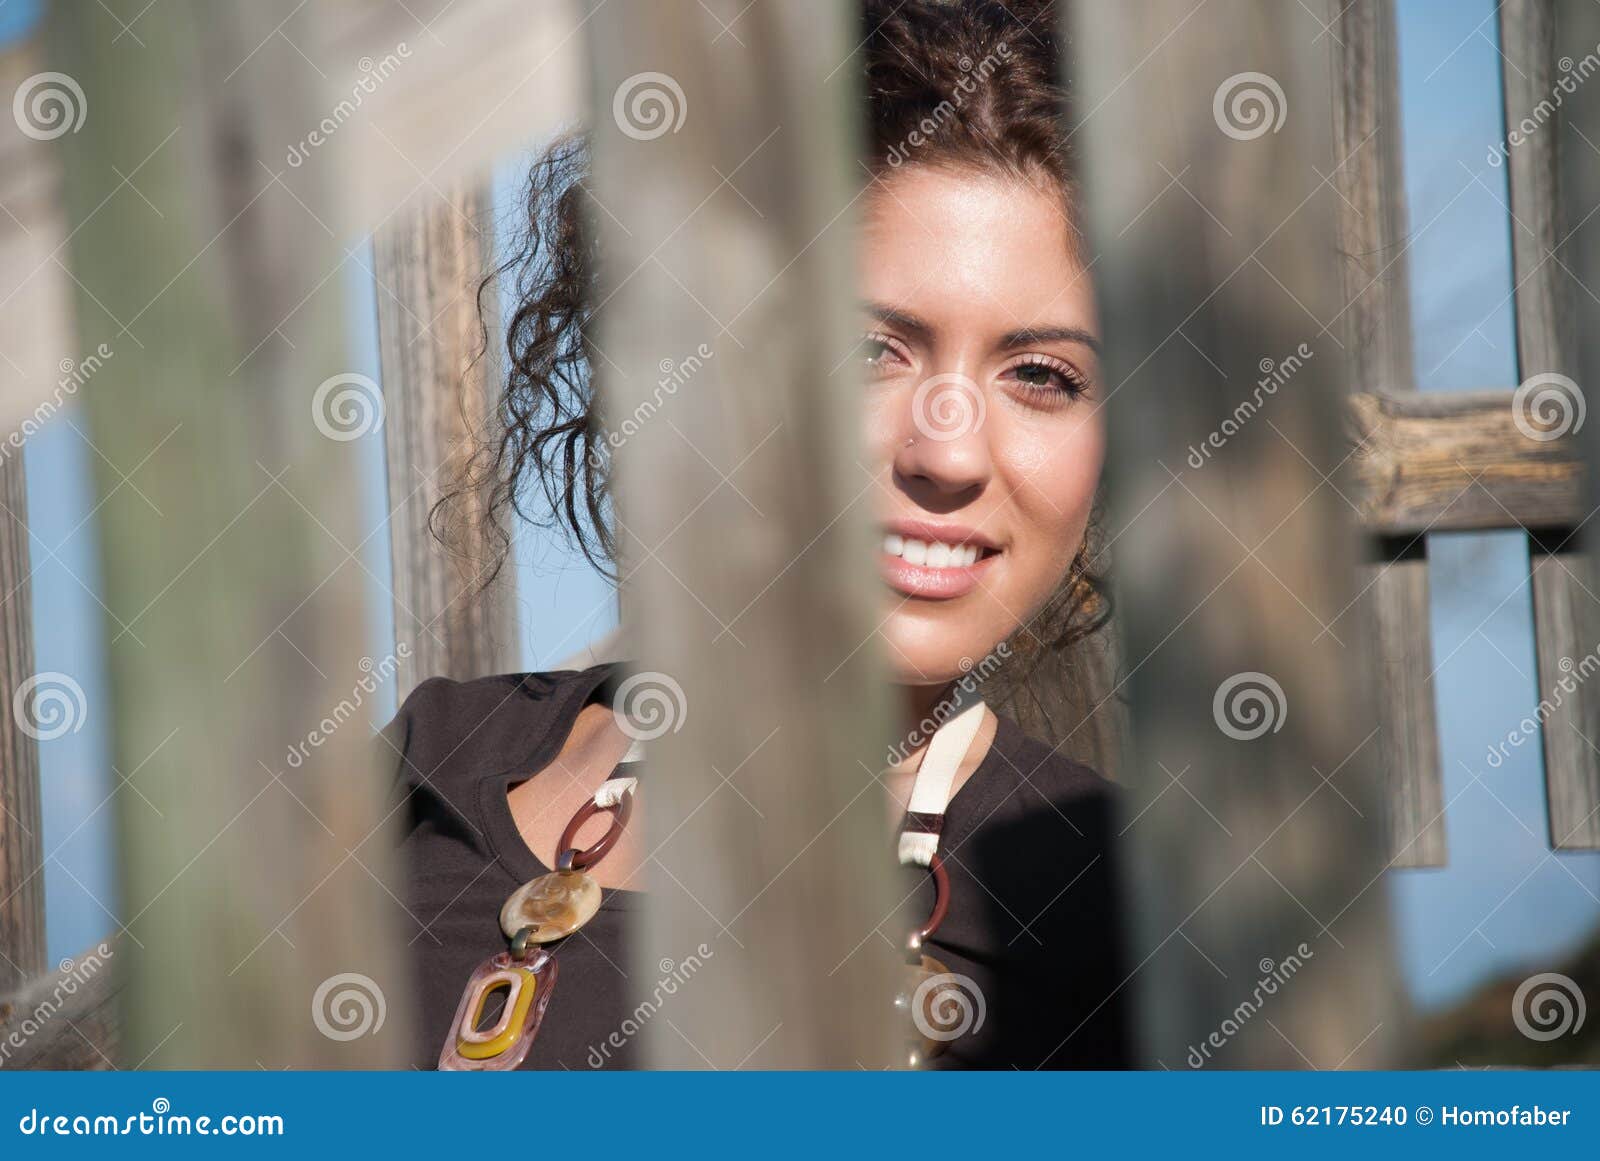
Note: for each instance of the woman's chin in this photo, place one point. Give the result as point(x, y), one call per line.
point(919, 657)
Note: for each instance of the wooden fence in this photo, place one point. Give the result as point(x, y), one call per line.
point(1225, 572)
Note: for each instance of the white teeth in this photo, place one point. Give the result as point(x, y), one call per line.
point(934, 555)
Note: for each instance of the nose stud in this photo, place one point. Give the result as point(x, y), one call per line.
point(911, 441)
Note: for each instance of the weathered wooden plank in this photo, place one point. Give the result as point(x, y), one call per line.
point(1232, 577)
point(746, 591)
point(35, 317)
point(1457, 461)
point(1375, 330)
point(430, 92)
point(440, 385)
point(33, 344)
point(254, 884)
point(22, 945)
point(1567, 629)
point(413, 96)
point(1549, 296)
point(68, 1019)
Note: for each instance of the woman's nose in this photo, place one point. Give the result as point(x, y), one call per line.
point(943, 447)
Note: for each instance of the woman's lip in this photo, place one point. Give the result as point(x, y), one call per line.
point(936, 584)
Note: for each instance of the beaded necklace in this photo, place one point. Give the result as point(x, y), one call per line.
point(928, 988)
point(539, 913)
point(547, 909)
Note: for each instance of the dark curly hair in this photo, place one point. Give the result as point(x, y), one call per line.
point(959, 83)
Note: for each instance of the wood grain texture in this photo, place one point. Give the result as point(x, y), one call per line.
point(1549, 298)
point(440, 384)
point(253, 871)
point(1566, 598)
point(419, 94)
point(1457, 461)
point(1255, 819)
point(1375, 330)
point(744, 592)
point(69, 1019)
point(34, 340)
point(35, 309)
point(22, 933)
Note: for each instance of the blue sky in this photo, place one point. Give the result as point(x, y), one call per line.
point(1504, 902)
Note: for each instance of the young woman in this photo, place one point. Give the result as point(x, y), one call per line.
point(975, 297)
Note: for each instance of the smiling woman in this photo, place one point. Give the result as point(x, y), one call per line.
point(983, 415)
point(982, 424)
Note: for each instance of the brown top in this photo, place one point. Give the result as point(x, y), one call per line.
point(1033, 919)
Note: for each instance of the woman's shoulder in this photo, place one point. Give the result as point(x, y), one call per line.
point(1046, 769)
point(1033, 789)
point(486, 723)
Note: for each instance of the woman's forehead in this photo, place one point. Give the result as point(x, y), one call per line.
point(974, 247)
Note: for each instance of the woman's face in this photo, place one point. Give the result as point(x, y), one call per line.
point(983, 418)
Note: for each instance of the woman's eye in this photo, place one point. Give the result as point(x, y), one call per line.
point(1048, 377)
point(879, 354)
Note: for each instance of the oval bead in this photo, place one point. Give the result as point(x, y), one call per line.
point(920, 1045)
point(554, 905)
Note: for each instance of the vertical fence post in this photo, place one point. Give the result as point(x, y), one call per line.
point(726, 179)
point(1256, 823)
point(22, 946)
point(33, 326)
point(440, 388)
point(254, 902)
point(1552, 191)
point(1375, 328)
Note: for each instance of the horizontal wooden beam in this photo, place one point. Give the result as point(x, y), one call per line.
point(1458, 461)
point(402, 100)
point(68, 1020)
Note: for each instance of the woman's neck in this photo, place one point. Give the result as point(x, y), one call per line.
point(921, 703)
point(925, 709)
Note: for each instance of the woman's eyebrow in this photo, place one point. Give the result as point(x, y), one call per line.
point(897, 318)
point(1031, 336)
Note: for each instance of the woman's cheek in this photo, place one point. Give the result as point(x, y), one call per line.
point(879, 429)
point(1056, 466)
